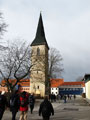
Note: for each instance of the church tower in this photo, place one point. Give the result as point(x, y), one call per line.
point(39, 59)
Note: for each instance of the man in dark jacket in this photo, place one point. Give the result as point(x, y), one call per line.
point(46, 109)
point(3, 104)
point(14, 104)
point(31, 102)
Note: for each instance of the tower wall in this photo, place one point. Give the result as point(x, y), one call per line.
point(39, 71)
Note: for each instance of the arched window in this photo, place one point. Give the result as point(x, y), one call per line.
point(38, 51)
point(37, 87)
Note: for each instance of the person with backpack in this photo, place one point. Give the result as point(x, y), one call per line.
point(23, 105)
point(3, 104)
point(46, 109)
point(31, 100)
point(14, 104)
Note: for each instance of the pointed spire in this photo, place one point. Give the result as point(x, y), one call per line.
point(40, 29)
point(40, 34)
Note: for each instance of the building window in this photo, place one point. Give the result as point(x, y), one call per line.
point(37, 87)
point(38, 51)
point(52, 88)
point(56, 92)
point(56, 88)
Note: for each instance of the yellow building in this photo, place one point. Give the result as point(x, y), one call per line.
point(87, 85)
point(39, 59)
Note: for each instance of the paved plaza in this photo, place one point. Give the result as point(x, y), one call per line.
point(77, 109)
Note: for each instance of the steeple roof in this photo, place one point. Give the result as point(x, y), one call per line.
point(40, 34)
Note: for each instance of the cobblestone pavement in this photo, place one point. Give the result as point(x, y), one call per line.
point(77, 109)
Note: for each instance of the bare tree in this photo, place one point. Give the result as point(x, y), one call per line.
point(2, 25)
point(15, 63)
point(80, 78)
point(55, 67)
point(55, 63)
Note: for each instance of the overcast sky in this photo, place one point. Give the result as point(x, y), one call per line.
point(67, 28)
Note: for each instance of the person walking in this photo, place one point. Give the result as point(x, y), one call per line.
point(23, 105)
point(14, 104)
point(52, 98)
point(59, 97)
point(68, 96)
point(3, 104)
point(74, 97)
point(31, 102)
point(46, 109)
point(65, 99)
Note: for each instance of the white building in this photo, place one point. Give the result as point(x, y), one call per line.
point(55, 83)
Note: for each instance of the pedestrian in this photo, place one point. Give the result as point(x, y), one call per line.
point(74, 97)
point(68, 96)
point(31, 100)
point(65, 99)
point(62, 96)
point(14, 104)
point(59, 97)
point(51, 97)
point(54, 98)
point(3, 104)
point(23, 105)
point(46, 109)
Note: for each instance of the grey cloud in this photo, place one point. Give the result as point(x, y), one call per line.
point(67, 28)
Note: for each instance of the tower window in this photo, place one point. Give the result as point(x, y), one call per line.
point(38, 51)
point(37, 87)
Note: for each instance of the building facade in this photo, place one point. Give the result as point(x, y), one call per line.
point(73, 88)
point(87, 85)
point(55, 83)
point(23, 85)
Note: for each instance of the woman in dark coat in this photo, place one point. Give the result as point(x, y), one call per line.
point(3, 104)
point(46, 109)
point(14, 104)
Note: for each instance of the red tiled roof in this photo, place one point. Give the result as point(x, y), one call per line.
point(26, 82)
point(23, 82)
point(56, 82)
point(74, 83)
